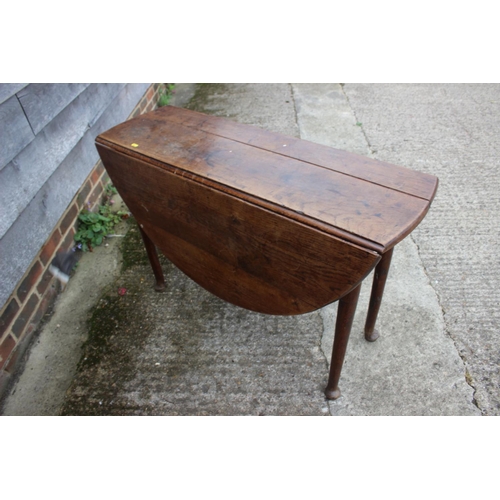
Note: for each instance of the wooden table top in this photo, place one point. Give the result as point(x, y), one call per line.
point(362, 200)
point(194, 179)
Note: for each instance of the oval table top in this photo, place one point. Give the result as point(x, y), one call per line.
point(269, 222)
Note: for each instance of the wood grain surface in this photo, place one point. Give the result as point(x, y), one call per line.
point(267, 222)
point(243, 253)
point(343, 195)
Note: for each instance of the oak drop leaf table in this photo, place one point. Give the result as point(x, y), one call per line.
point(271, 223)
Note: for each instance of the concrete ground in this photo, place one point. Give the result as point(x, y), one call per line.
point(185, 352)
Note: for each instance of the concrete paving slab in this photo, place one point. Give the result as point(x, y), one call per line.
point(451, 131)
point(53, 357)
point(186, 352)
point(324, 116)
point(414, 367)
point(270, 106)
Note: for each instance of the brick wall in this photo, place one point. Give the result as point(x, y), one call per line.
point(38, 289)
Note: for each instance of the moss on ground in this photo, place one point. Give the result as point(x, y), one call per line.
point(204, 92)
point(114, 311)
point(117, 316)
point(102, 324)
point(132, 249)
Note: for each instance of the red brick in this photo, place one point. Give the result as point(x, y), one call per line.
point(11, 362)
point(150, 93)
point(99, 168)
point(68, 242)
point(105, 179)
point(95, 195)
point(6, 348)
point(83, 194)
point(8, 316)
point(20, 349)
point(30, 280)
point(47, 301)
point(24, 317)
point(94, 176)
point(44, 282)
point(69, 219)
point(50, 247)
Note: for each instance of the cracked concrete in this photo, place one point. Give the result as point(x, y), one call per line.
point(186, 352)
point(423, 364)
point(451, 131)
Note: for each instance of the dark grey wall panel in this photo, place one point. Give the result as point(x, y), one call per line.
point(9, 89)
point(15, 131)
point(21, 179)
point(25, 237)
point(43, 101)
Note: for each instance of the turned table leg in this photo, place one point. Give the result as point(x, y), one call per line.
point(155, 262)
point(379, 279)
point(345, 316)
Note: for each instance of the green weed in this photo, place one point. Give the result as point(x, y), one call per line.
point(166, 94)
point(93, 227)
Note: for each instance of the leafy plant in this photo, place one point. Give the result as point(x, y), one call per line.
point(110, 190)
point(93, 227)
point(166, 94)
